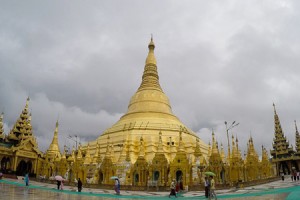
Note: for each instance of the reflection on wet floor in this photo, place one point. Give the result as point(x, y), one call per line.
point(11, 189)
point(12, 192)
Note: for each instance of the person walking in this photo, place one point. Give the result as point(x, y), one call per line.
point(212, 188)
point(58, 184)
point(117, 186)
point(173, 187)
point(206, 187)
point(26, 179)
point(79, 185)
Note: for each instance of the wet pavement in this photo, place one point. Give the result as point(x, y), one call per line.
point(15, 189)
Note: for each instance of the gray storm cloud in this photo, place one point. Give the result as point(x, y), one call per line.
point(81, 62)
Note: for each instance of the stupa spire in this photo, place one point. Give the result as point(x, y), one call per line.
point(215, 149)
point(87, 159)
point(209, 150)
point(222, 154)
point(53, 150)
point(160, 148)
point(150, 77)
point(142, 147)
point(197, 152)
point(97, 156)
point(79, 153)
point(297, 135)
point(180, 147)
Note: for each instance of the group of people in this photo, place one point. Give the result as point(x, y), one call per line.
point(209, 185)
point(295, 176)
point(60, 185)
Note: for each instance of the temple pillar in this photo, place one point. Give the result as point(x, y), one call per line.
point(35, 167)
point(15, 163)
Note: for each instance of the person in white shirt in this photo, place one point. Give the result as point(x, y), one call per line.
point(172, 187)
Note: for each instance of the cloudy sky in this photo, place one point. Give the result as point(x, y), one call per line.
point(81, 61)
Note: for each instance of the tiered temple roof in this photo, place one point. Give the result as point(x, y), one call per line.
point(281, 149)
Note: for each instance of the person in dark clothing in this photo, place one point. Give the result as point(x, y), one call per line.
point(180, 184)
point(79, 185)
point(58, 184)
point(282, 176)
point(206, 187)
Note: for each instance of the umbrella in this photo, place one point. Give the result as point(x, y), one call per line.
point(59, 178)
point(209, 173)
point(114, 177)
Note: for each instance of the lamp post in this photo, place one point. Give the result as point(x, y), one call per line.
point(74, 140)
point(227, 129)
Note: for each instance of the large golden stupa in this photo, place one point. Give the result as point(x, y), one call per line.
point(148, 123)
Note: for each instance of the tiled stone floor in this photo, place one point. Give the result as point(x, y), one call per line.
point(14, 189)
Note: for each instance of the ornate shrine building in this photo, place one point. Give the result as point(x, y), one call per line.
point(19, 151)
point(286, 159)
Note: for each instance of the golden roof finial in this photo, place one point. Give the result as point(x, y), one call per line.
point(151, 45)
point(296, 126)
point(274, 109)
point(27, 102)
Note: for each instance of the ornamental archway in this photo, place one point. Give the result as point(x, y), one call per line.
point(101, 177)
point(179, 175)
point(5, 164)
point(23, 168)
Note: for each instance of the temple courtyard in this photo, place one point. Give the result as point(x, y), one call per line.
point(16, 189)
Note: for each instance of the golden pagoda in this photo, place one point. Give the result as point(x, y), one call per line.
point(251, 162)
point(147, 130)
point(216, 164)
point(236, 163)
point(265, 167)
